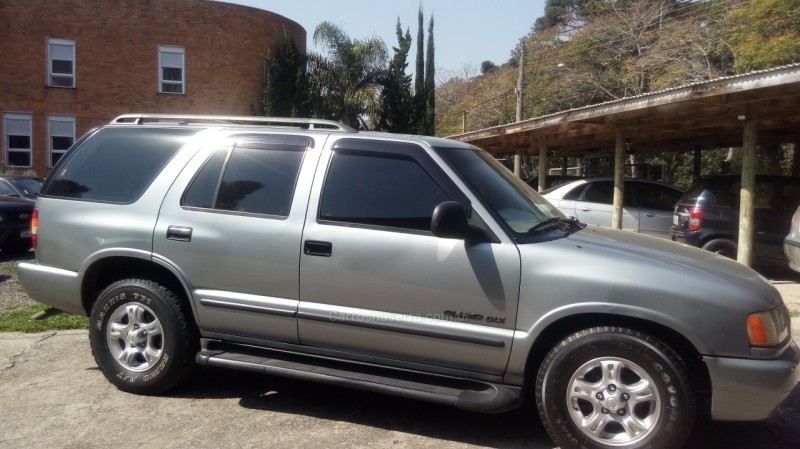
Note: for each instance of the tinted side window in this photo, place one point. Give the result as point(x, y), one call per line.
point(575, 193)
point(600, 192)
point(726, 194)
point(6, 189)
point(603, 192)
point(380, 190)
point(654, 196)
point(116, 164)
point(256, 178)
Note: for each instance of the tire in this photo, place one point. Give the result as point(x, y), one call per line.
point(723, 247)
point(141, 337)
point(611, 387)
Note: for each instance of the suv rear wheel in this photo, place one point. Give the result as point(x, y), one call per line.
point(614, 387)
point(723, 247)
point(141, 338)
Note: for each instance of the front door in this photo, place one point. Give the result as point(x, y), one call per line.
point(374, 281)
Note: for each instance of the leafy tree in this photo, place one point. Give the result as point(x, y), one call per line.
point(765, 33)
point(396, 95)
point(345, 85)
point(419, 73)
point(428, 126)
point(286, 83)
point(487, 66)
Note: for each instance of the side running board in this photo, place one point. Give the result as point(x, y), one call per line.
point(470, 395)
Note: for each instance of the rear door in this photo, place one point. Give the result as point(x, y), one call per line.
point(595, 206)
point(232, 224)
point(375, 282)
point(656, 205)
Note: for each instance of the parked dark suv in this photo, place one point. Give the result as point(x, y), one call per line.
point(707, 216)
point(15, 225)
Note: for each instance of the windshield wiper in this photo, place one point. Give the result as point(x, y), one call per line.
point(573, 222)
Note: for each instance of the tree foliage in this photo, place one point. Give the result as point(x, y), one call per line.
point(765, 33)
point(427, 122)
point(585, 52)
point(286, 83)
point(397, 101)
point(345, 84)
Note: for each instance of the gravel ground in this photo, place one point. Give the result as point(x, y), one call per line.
point(11, 294)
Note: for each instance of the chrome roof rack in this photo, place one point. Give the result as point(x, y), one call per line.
point(187, 119)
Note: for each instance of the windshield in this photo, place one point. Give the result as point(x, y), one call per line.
point(29, 186)
point(512, 201)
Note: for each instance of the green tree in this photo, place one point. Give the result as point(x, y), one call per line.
point(765, 33)
point(429, 119)
point(397, 101)
point(286, 83)
point(345, 84)
point(419, 73)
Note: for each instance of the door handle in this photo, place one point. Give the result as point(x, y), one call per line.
point(179, 233)
point(315, 248)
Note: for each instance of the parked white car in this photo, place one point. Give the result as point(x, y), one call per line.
point(647, 205)
point(791, 244)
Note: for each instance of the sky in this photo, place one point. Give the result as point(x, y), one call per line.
point(465, 32)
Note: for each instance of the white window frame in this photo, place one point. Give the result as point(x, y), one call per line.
point(166, 59)
point(6, 150)
point(51, 132)
point(52, 57)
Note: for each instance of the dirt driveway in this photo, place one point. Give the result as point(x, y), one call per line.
point(53, 396)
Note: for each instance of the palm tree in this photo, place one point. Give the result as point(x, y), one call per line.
point(345, 83)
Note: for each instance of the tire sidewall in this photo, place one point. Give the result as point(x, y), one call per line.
point(723, 247)
point(676, 413)
point(120, 295)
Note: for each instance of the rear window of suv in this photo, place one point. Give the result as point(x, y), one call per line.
point(116, 165)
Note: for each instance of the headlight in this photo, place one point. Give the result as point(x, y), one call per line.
point(768, 328)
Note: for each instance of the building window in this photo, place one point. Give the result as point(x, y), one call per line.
point(170, 73)
point(61, 63)
point(61, 135)
point(17, 139)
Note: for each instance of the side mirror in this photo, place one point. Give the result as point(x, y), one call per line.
point(450, 221)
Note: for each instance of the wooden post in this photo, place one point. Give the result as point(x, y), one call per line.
point(542, 163)
point(464, 121)
point(619, 178)
point(520, 92)
point(747, 194)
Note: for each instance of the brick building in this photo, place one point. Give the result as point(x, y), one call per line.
point(70, 65)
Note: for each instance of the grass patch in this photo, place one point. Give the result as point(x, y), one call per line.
point(12, 269)
point(794, 313)
point(19, 320)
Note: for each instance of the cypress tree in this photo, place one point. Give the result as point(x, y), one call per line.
point(430, 86)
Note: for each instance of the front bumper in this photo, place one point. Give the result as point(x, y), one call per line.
point(751, 389)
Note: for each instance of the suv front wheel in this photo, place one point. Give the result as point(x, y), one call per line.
point(140, 337)
point(614, 387)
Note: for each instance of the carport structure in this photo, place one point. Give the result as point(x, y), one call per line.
point(757, 108)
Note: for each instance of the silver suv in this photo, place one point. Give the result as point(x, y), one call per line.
point(406, 265)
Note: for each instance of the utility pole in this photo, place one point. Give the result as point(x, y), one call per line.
point(520, 92)
point(464, 122)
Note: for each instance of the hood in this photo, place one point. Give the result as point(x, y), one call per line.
point(601, 270)
point(671, 255)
